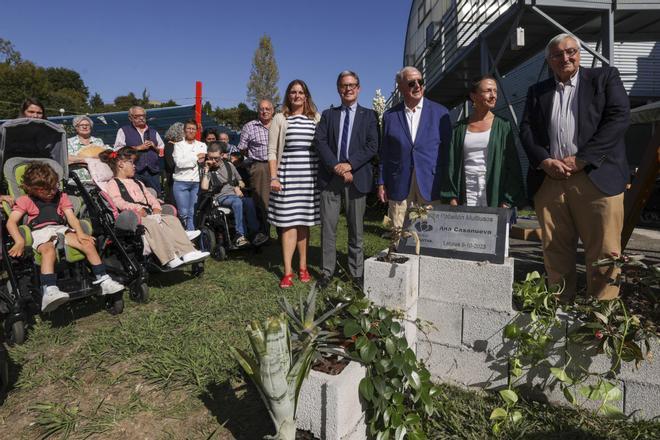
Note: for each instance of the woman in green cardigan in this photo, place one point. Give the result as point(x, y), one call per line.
point(482, 167)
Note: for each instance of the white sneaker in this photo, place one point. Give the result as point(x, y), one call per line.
point(173, 264)
point(195, 256)
point(193, 234)
point(53, 298)
point(110, 286)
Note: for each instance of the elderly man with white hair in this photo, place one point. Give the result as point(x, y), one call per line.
point(83, 144)
point(573, 133)
point(415, 131)
point(147, 142)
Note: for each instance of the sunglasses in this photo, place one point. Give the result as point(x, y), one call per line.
point(411, 84)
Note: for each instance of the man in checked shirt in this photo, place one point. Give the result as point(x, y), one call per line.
point(254, 139)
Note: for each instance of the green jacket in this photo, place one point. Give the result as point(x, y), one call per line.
point(504, 183)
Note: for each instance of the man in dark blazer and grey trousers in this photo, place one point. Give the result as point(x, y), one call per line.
point(573, 132)
point(346, 140)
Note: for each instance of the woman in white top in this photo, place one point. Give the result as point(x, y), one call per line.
point(482, 167)
point(187, 156)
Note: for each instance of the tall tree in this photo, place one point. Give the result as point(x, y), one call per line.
point(96, 103)
point(8, 53)
point(19, 81)
point(264, 74)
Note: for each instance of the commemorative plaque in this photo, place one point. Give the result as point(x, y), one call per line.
point(464, 232)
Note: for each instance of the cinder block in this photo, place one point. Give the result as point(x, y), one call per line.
point(463, 366)
point(483, 328)
point(392, 285)
point(409, 326)
point(470, 283)
point(447, 318)
point(642, 399)
point(330, 406)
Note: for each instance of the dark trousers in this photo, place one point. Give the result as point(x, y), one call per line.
point(151, 180)
point(355, 203)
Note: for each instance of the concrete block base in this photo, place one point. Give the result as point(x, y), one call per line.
point(330, 407)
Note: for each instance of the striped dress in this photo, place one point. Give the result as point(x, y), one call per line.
point(298, 203)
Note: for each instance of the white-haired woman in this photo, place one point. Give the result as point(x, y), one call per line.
point(82, 145)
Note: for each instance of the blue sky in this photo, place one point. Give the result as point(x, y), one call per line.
point(121, 46)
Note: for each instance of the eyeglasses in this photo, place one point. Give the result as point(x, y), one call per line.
point(84, 126)
point(414, 82)
point(265, 110)
point(215, 159)
point(142, 116)
point(559, 55)
point(350, 86)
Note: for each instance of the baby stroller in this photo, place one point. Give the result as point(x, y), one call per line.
point(23, 141)
point(120, 234)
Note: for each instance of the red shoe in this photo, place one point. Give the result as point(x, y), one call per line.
point(286, 281)
point(304, 276)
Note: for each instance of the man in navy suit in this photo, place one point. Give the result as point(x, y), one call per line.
point(346, 140)
point(573, 132)
point(414, 133)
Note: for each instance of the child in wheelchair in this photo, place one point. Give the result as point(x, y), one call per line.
point(49, 216)
point(221, 178)
point(164, 233)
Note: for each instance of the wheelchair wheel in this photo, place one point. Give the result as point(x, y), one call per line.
point(140, 293)
point(220, 253)
point(115, 304)
point(17, 333)
point(207, 242)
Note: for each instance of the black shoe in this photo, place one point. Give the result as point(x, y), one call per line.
point(359, 282)
point(323, 282)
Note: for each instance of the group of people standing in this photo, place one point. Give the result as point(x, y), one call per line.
point(301, 164)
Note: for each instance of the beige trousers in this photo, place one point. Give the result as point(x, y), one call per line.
point(166, 237)
point(571, 209)
point(396, 210)
point(260, 182)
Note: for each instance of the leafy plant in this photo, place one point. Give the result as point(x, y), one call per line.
point(397, 387)
point(398, 232)
point(605, 325)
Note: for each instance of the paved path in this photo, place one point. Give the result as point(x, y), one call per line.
point(529, 256)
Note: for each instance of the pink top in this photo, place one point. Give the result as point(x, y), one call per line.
point(25, 205)
point(135, 192)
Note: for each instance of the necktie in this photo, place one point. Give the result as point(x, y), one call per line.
point(343, 151)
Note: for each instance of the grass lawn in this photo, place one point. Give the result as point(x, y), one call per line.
point(162, 370)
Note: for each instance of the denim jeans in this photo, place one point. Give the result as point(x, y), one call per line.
point(244, 212)
point(185, 194)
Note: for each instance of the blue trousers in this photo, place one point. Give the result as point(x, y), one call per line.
point(244, 212)
point(185, 194)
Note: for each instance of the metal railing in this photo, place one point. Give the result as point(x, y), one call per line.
point(460, 26)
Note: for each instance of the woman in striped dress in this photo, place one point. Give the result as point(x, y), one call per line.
point(294, 197)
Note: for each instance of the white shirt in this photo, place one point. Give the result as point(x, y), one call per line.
point(563, 119)
point(475, 151)
point(413, 116)
point(185, 160)
point(120, 141)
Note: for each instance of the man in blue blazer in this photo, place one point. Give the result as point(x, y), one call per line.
point(414, 133)
point(573, 132)
point(346, 140)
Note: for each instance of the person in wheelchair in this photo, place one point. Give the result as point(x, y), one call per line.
point(164, 233)
point(49, 214)
point(221, 178)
